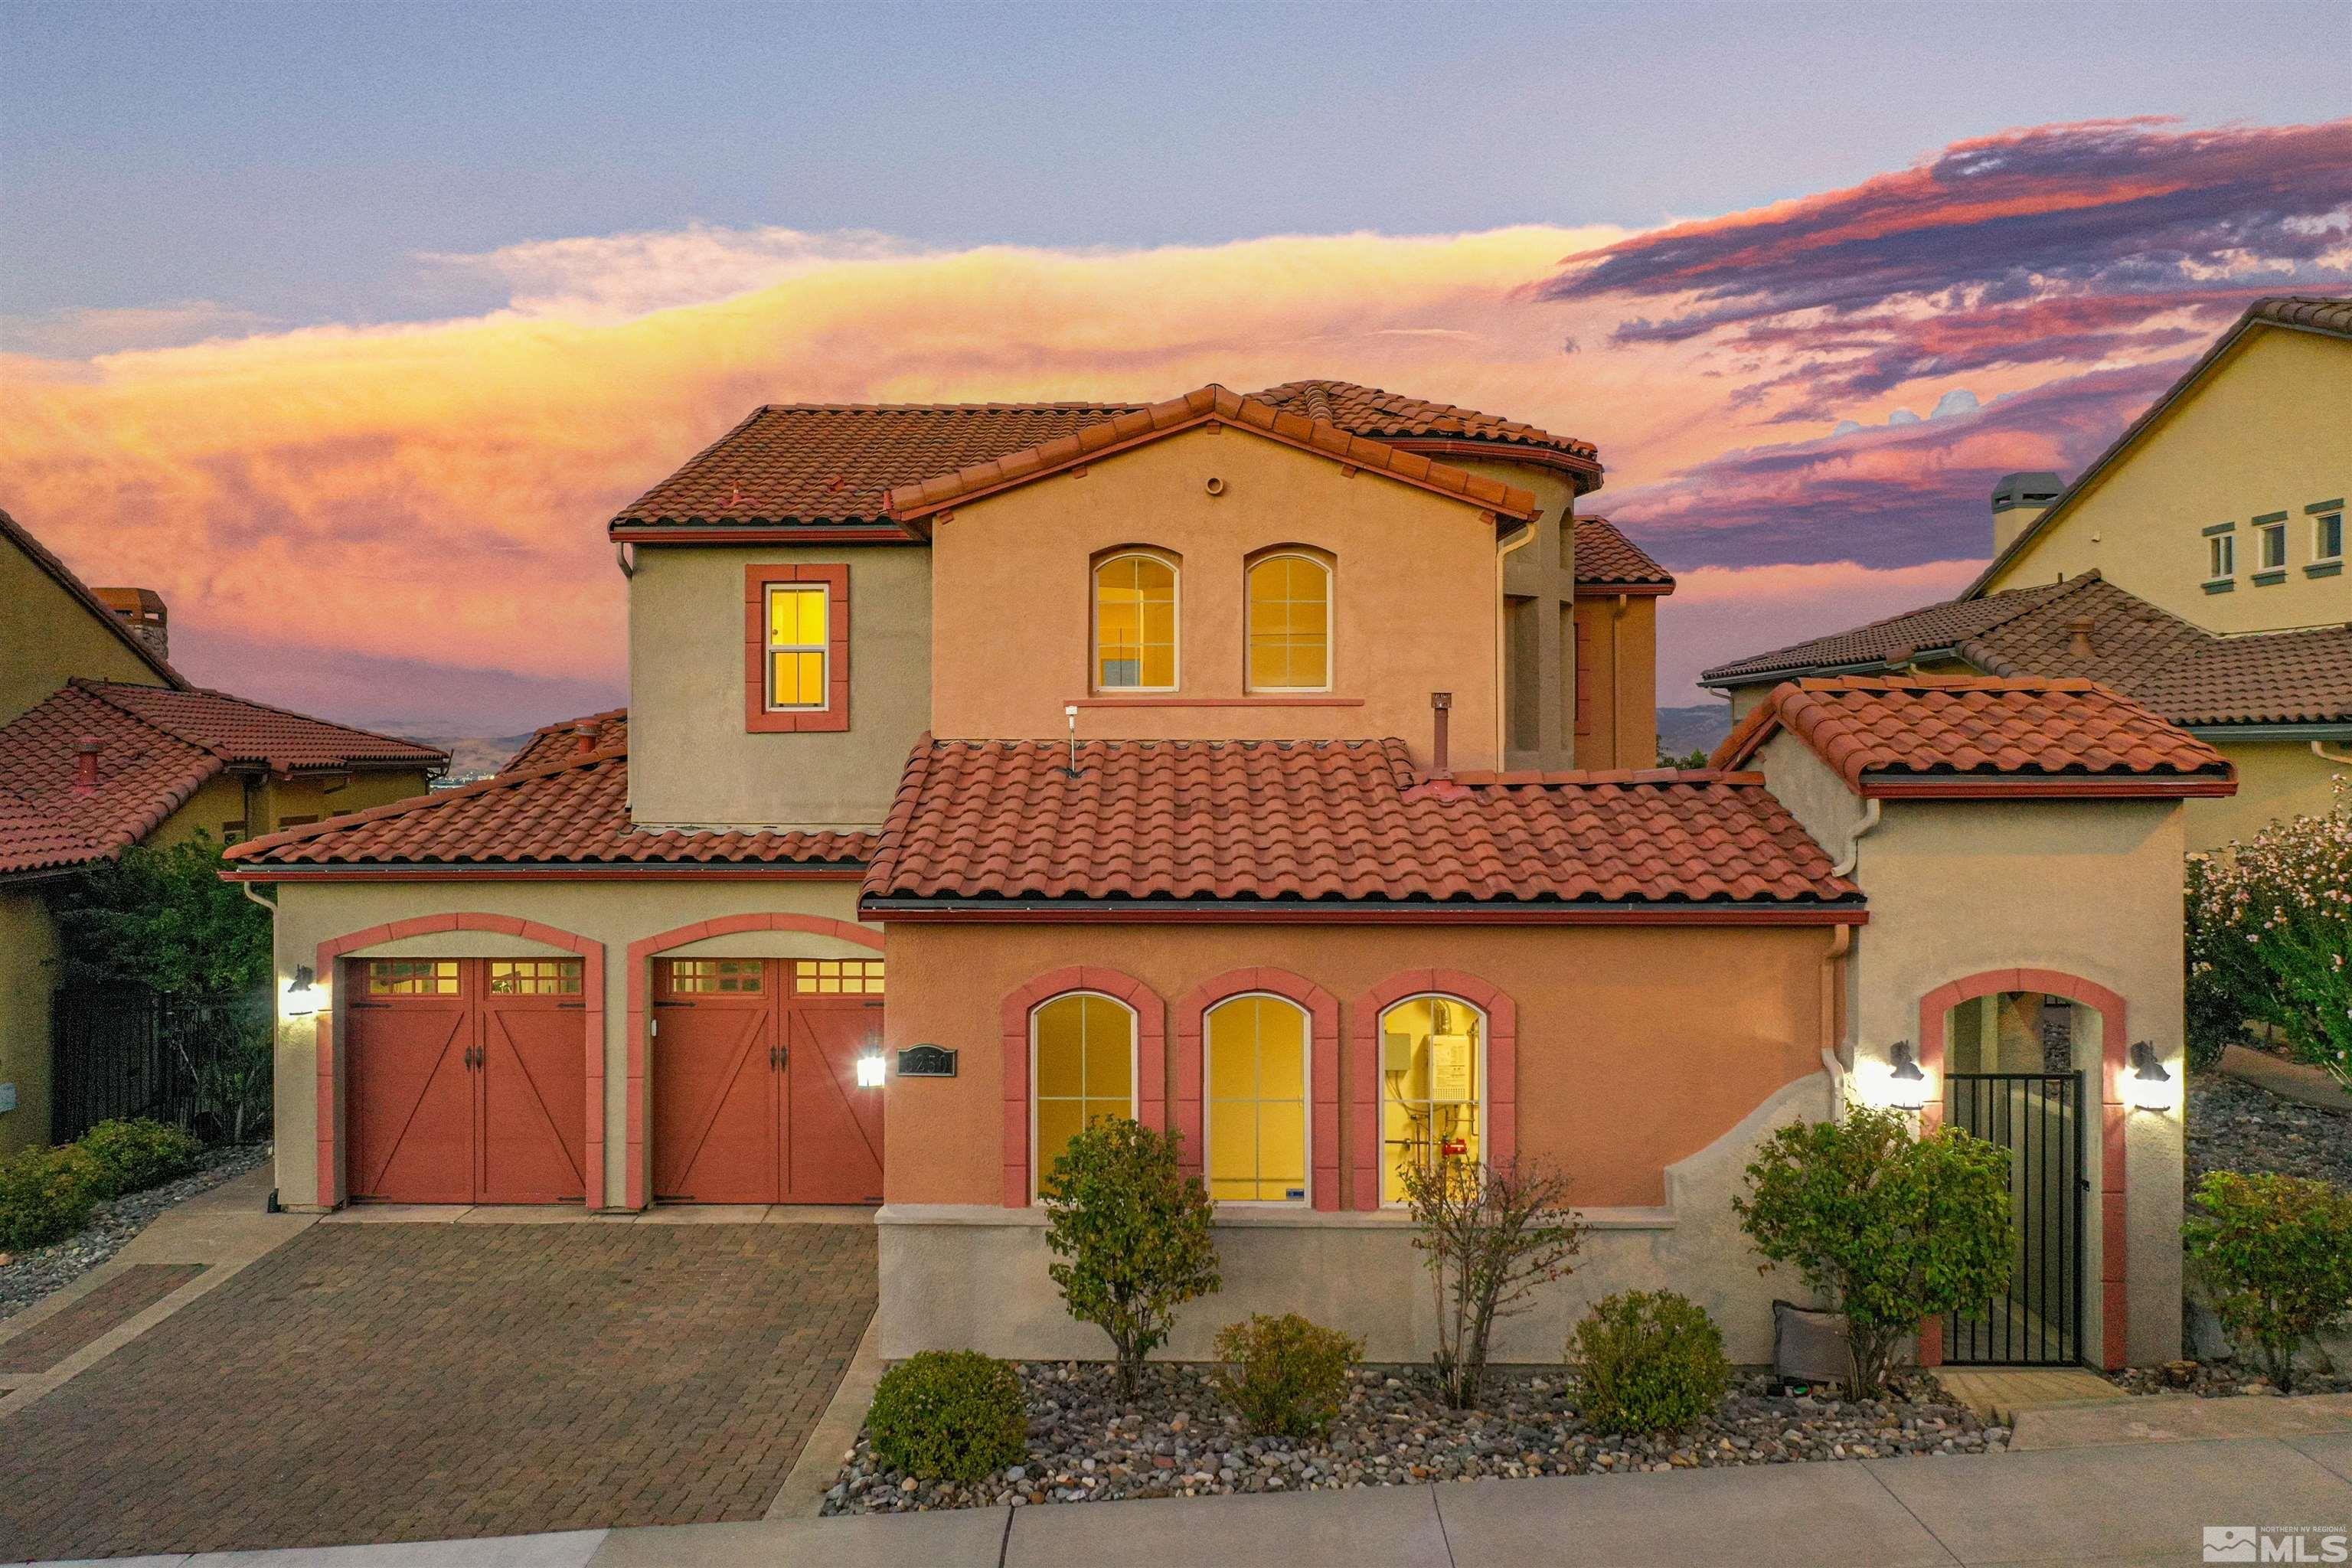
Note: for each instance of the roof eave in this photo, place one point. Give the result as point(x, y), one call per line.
point(1895, 786)
point(540, 871)
point(1851, 910)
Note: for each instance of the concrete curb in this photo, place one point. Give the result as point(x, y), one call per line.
point(835, 1433)
point(2296, 1081)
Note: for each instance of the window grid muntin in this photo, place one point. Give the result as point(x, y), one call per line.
point(412, 977)
point(837, 977)
point(1396, 1108)
point(1041, 1162)
point(1259, 1101)
point(535, 976)
point(1290, 640)
point(811, 602)
point(716, 976)
point(1137, 565)
point(2222, 557)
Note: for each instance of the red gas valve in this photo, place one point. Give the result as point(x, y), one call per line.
point(1455, 1148)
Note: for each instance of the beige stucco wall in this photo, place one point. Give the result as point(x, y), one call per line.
point(2261, 432)
point(47, 636)
point(2276, 779)
point(28, 972)
point(615, 914)
point(1623, 682)
point(1417, 587)
point(1539, 653)
point(691, 761)
point(331, 795)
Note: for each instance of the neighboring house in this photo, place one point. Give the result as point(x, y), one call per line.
point(989, 769)
point(2196, 564)
point(103, 745)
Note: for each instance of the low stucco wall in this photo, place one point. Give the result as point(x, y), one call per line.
point(972, 1277)
point(28, 972)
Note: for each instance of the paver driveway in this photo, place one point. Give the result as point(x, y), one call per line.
point(414, 1382)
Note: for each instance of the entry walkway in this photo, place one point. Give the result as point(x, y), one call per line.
point(2135, 1504)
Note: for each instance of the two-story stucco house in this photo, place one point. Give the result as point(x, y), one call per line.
point(992, 769)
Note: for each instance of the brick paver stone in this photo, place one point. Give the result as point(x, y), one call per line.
point(130, 1292)
point(402, 1382)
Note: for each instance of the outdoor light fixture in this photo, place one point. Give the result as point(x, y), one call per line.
point(869, 1070)
point(1909, 1085)
point(301, 993)
point(2151, 1084)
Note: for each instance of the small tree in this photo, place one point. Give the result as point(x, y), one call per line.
point(1891, 1227)
point(164, 919)
point(1488, 1235)
point(1134, 1233)
point(2277, 1251)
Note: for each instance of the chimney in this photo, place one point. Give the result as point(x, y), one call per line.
point(2078, 636)
point(583, 738)
point(1441, 706)
point(2017, 500)
point(142, 611)
point(86, 765)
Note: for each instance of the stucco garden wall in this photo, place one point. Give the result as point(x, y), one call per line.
point(28, 972)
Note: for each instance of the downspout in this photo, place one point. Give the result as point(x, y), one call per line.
point(246, 889)
point(1833, 1037)
point(2319, 750)
point(1617, 688)
point(1517, 541)
point(622, 558)
point(1854, 844)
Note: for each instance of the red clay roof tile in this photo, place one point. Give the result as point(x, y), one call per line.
point(560, 741)
point(1333, 822)
point(1605, 558)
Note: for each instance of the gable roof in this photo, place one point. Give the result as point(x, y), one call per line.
point(2191, 676)
point(559, 740)
point(1203, 406)
point(39, 554)
point(1605, 558)
point(156, 746)
point(1982, 738)
point(1327, 829)
point(2328, 316)
point(797, 469)
point(565, 816)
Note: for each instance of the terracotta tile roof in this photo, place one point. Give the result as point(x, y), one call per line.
point(2323, 312)
point(1395, 416)
point(1883, 736)
point(156, 746)
point(570, 812)
point(1254, 822)
point(1201, 406)
point(17, 533)
point(2184, 672)
point(1606, 558)
point(559, 742)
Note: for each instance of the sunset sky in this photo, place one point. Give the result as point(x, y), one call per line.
point(348, 327)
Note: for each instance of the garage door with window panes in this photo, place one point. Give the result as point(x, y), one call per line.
point(755, 1089)
point(465, 1080)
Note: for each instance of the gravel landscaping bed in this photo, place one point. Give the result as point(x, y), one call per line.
point(2234, 1125)
point(2222, 1380)
point(27, 1277)
point(1176, 1439)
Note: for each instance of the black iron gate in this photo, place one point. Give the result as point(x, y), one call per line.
point(2038, 1118)
point(200, 1062)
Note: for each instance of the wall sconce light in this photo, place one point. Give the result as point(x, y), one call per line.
point(1907, 1087)
point(2151, 1085)
point(869, 1070)
point(302, 993)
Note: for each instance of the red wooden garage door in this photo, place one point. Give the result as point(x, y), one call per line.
point(755, 1091)
point(468, 1079)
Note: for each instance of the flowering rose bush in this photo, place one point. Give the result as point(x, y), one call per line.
point(2270, 937)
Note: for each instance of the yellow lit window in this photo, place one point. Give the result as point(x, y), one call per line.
point(714, 976)
point(1135, 624)
point(1082, 1070)
point(412, 977)
point(1257, 1071)
point(837, 977)
point(535, 977)
point(1289, 624)
point(799, 630)
point(1432, 1067)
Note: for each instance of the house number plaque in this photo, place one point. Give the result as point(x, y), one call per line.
point(927, 1061)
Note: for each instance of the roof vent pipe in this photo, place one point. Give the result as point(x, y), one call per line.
point(86, 765)
point(2078, 636)
point(1441, 706)
point(583, 738)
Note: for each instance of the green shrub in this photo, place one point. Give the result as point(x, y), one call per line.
point(134, 1154)
point(1284, 1375)
point(1131, 1233)
point(2277, 1252)
point(2269, 927)
point(45, 1194)
point(956, 1416)
point(1892, 1227)
point(1653, 1362)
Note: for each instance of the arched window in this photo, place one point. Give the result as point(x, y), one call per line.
point(1289, 624)
point(1135, 623)
point(1433, 1081)
point(1081, 1069)
point(1257, 1111)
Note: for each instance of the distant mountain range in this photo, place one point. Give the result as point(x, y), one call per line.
point(1682, 730)
point(472, 757)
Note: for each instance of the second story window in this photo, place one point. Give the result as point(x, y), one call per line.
point(2270, 545)
point(2220, 557)
point(795, 648)
point(798, 635)
point(1135, 623)
point(1289, 624)
point(2327, 536)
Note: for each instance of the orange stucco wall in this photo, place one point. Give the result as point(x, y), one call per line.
point(1416, 599)
point(1616, 701)
point(1637, 1045)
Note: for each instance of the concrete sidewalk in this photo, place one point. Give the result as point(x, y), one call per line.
point(2127, 1504)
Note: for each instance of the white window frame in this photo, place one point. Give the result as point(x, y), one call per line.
point(2318, 522)
point(1330, 627)
point(2220, 552)
point(824, 650)
point(1175, 630)
point(1307, 1103)
point(1485, 1090)
point(2265, 534)
point(1134, 1073)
